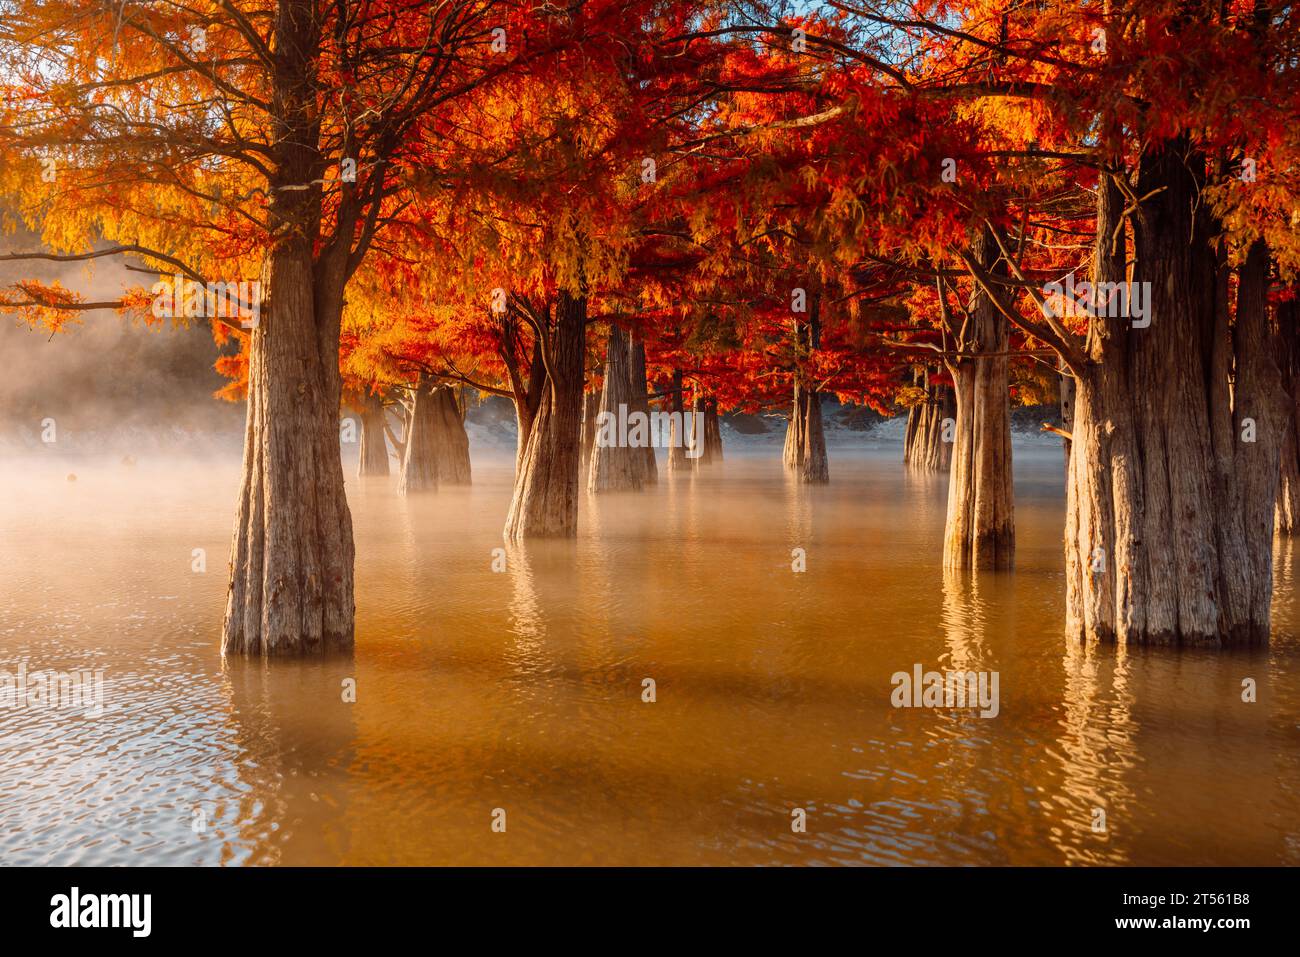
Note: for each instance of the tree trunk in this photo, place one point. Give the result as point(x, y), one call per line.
point(715, 430)
point(291, 565)
point(291, 586)
point(545, 502)
point(794, 428)
point(980, 531)
point(1287, 521)
point(679, 439)
point(419, 455)
point(451, 441)
point(1173, 472)
point(373, 460)
point(526, 394)
point(913, 439)
point(1065, 383)
point(590, 409)
point(616, 464)
point(641, 403)
point(924, 448)
point(804, 453)
point(700, 413)
point(707, 409)
point(1258, 395)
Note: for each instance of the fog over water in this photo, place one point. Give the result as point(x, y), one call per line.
point(522, 690)
point(109, 384)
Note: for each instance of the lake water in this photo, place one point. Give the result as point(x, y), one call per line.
point(522, 690)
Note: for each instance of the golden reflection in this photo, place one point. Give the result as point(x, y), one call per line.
point(527, 615)
point(925, 495)
point(1284, 703)
point(1284, 549)
point(295, 730)
point(1096, 753)
point(798, 512)
point(963, 620)
point(960, 736)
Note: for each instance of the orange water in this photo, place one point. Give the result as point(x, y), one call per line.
point(522, 690)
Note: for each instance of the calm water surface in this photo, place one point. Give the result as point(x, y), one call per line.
point(522, 690)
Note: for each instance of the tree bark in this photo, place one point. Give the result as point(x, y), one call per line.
point(1065, 383)
point(525, 389)
point(706, 407)
point(419, 454)
point(913, 440)
point(679, 439)
point(1173, 470)
point(617, 466)
point(590, 409)
point(714, 432)
point(1287, 518)
point(804, 453)
point(924, 448)
point(1258, 394)
point(451, 441)
point(980, 532)
point(641, 403)
point(545, 502)
point(373, 460)
point(700, 413)
point(291, 566)
point(291, 585)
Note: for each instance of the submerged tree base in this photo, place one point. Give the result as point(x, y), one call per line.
point(980, 532)
point(928, 440)
point(291, 584)
point(804, 453)
point(1177, 438)
point(545, 502)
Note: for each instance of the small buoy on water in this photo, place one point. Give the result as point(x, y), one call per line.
point(128, 461)
point(72, 476)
